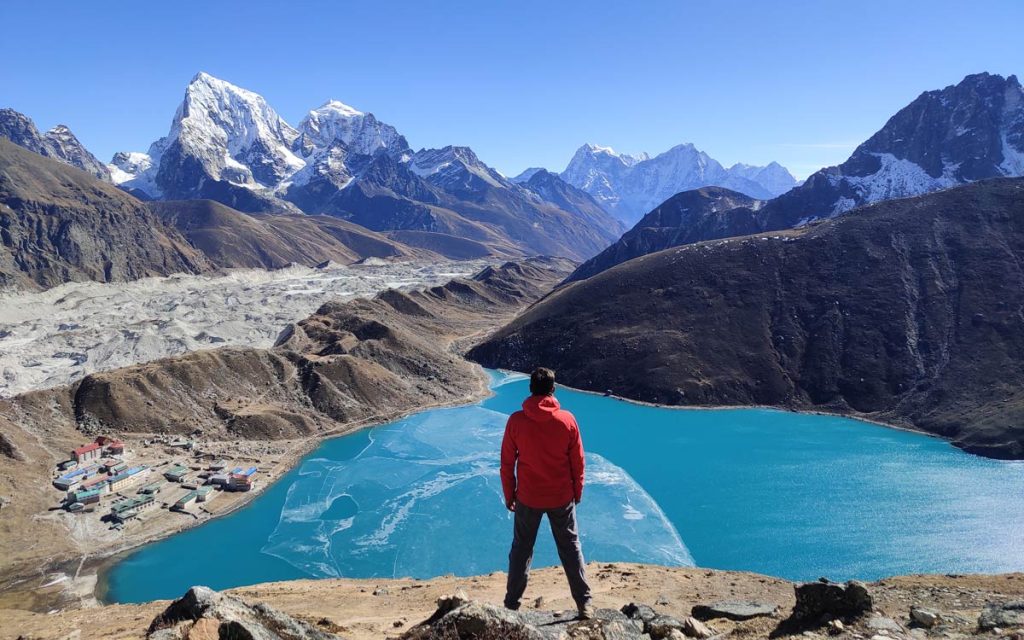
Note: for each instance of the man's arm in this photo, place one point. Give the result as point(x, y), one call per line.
point(577, 463)
point(509, 453)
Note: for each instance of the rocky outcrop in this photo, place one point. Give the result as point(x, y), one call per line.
point(906, 311)
point(59, 224)
point(457, 617)
point(1002, 616)
point(822, 601)
point(204, 614)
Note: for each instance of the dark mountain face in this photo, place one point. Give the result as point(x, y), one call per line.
point(59, 224)
point(57, 143)
point(906, 311)
point(232, 239)
point(683, 218)
point(552, 189)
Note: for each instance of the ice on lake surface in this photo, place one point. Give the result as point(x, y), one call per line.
point(424, 498)
point(58, 336)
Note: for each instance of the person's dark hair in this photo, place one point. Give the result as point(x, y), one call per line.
point(542, 382)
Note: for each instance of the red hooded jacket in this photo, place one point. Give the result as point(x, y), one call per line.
point(542, 455)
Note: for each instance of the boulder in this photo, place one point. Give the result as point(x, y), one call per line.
point(924, 617)
point(203, 613)
point(733, 610)
point(824, 601)
point(818, 603)
point(1009, 614)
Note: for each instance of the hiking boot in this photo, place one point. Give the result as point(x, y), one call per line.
point(586, 611)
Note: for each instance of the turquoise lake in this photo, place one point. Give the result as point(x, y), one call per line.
point(786, 494)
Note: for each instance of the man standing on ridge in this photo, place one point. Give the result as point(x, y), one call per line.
point(542, 473)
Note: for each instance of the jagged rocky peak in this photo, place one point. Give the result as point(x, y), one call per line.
point(336, 122)
point(58, 143)
point(19, 129)
point(236, 134)
point(944, 138)
point(453, 167)
point(962, 133)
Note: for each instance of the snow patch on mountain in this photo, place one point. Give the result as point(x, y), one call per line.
point(1013, 159)
point(896, 178)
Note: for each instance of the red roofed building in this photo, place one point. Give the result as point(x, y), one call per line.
point(86, 453)
point(115, 447)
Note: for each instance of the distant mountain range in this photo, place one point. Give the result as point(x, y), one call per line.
point(962, 133)
point(630, 186)
point(227, 144)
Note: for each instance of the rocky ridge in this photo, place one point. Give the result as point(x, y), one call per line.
point(60, 224)
point(58, 143)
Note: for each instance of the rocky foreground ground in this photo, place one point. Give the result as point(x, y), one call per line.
point(634, 602)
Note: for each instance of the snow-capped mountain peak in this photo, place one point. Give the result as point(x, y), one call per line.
point(362, 133)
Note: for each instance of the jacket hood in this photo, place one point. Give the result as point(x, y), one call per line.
point(540, 408)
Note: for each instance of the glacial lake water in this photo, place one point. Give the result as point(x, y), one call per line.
point(786, 494)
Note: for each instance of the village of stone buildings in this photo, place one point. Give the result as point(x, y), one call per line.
point(123, 484)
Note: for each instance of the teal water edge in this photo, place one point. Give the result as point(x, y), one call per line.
point(786, 494)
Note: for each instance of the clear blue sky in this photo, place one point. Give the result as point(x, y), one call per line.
point(523, 83)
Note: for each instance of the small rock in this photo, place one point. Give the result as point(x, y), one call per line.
point(539, 602)
point(881, 623)
point(694, 628)
point(836, 627)
point(925, 617)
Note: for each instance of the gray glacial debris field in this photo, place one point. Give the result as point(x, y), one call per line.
point(58, 336)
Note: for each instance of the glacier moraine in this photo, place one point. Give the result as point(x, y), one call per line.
point(58, 336)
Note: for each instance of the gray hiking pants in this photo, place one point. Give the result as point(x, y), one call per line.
point(563, 528)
